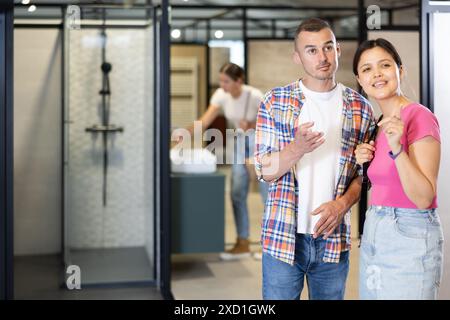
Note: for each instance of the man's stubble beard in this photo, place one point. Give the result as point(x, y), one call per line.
point(330, 76)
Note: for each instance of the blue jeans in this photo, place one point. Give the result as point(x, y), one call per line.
point(240, 181)
point(401, 254)
point(326, 281)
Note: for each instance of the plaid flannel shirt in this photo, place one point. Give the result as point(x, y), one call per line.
point(277, 119)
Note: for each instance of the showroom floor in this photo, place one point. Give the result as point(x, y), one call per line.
point(205, 276)
point(194, 276)
point(40, 278)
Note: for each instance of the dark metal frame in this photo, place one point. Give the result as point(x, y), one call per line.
point(154, 17)
point(163, 150)
point(425, 68)
point(244, 38)
point(113, 5)
point(6, 150)
point(362, 36)
point(85, 26)
point(272, 26)
point(65, 255)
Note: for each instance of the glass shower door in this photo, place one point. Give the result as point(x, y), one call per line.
point(109, 226)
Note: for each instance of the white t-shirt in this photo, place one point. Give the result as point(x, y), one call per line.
point(318, 171)
point(233, 109)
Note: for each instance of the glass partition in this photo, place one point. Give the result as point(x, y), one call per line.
point(91, 171)
point(108, 146)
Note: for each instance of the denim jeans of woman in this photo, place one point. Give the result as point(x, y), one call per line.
point(401, 254)
point(240, 182)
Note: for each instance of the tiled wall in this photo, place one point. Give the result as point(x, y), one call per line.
point(127, 218)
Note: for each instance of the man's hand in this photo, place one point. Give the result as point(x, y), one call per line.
point(331, 213)
point(275, 165)
point(306, 140)
point(244, 125)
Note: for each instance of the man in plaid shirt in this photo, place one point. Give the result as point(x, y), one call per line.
point(306, 134)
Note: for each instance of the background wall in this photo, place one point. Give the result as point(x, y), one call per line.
point(37, 141)
point(200, 52)
point(218, 56)
point(125, 221)
point(409, 16)
point(441, 108)
point(271, 64)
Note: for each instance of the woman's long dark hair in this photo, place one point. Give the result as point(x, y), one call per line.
point(369, 44)
point(233, 71)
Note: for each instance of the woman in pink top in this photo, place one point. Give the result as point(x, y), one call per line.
point(401, 247)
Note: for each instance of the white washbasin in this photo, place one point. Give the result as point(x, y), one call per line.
point(192, 161)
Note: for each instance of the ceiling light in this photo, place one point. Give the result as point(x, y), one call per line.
point(176, 33)
point(25, 1)
point(218, 34)
point(32, 8)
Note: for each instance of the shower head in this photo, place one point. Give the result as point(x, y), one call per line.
point(106, 67)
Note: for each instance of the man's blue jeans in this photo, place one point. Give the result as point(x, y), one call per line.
point(326, 281)
point(240, 180)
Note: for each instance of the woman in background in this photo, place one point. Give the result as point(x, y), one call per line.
point(239, 104)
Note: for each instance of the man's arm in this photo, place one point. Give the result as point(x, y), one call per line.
point(266, 140)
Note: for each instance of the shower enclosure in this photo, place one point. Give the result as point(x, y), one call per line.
point(90, 163)
point(109, 220)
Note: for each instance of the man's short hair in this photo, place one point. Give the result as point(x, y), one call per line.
point(311, 25)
